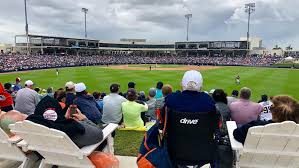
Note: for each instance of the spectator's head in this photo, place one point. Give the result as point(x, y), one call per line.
point(50, 90)
point(18, 80)
point(80, 89)
point(131, 94)
point(7, 86)
point(235, 93)
point(245, 93)
point(142, 93)
point(284, 108)
point(96, 95)
point(29, 84)
point(60, 95)
point(131, 85)
point(166, 90)
point(37, 90)
point(141, 96)
point(219, 96)
point(264, 98)
point(152, 93)
point(103, 95)
point(159, 85)
point(70, 86)
point(114, 88)
point(192, 81)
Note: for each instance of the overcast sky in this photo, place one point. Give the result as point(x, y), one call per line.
point(275, 21)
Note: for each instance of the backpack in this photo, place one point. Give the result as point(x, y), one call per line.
point(153, 151)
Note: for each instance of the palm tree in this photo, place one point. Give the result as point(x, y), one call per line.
point(289, 48)
point(276, 47)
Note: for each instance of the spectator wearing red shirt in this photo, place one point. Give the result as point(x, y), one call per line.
point(6, 101)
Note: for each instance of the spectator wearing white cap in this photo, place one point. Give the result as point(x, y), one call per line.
point(70, 93)
point(191, 99)
point(87, 104)
point(27, 99)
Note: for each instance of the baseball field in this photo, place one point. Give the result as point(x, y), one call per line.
point(270, 81)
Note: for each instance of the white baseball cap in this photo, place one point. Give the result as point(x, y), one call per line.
point(70, 85)
point(80, 87)
point(192, 80)
point(29, 83)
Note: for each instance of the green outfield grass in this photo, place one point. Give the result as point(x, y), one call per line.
point(154, 65)
point(261, 80)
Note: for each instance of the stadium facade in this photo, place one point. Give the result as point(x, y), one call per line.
point(63, 45)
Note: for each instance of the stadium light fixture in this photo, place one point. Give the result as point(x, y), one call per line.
point(85, 10)
point(188, 17)
point(249, 8)
point(26, 26)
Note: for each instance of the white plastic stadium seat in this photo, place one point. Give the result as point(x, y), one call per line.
point(10, 154)
point(55, 146)
point(274, 145)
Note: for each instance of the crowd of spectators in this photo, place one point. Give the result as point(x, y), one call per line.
point(28, 62)
point(133, 110)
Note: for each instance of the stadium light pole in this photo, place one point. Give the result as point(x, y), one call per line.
point(26, 26)
point(249, 8)
point(85, 10)
point(188, 17)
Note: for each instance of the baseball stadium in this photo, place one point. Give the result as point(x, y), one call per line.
point(92, 103)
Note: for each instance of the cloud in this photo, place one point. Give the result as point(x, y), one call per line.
point(275, 21)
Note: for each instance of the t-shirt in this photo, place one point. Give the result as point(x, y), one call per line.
point(266, 113)
point(245, 111)
point(151, 109)
point(112, 112)
point(159, 94)
point(131, 111)
point(26, 101)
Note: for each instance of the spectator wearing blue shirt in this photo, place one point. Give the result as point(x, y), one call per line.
point(97, 97)
point(159, 94)
point(87, 104)
point(70, 93)
point(17, 85)
point(191, 99)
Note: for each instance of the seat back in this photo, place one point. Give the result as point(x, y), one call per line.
point(191, 136)
point(54, 145)
point(9, 151)
point(272, 145)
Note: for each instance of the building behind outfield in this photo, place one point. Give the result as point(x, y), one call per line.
point(63, 45)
